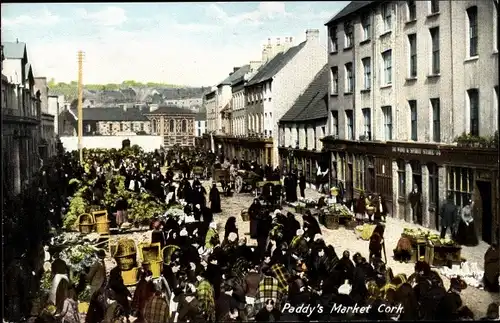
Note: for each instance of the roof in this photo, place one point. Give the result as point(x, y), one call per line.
point(352, 7)
point(236, 75)
point(14, 50)
point(311, 104)
point(113, 114)
point(172, 109)
point(201, 116)
point(275, 65)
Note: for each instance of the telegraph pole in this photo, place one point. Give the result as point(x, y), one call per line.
point(80, 105)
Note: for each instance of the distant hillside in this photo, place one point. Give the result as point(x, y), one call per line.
point(168, 91)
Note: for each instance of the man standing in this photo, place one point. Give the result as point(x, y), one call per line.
point(416, 205)
point(448, 214)
point(302, 184)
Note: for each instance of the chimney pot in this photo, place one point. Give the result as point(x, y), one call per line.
point(269, 41)
point(17, 40)
point(235, 69)
point(278, 40)
point(290, 39)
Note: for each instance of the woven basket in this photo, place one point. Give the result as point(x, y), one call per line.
point(332, 222)
point(167, 253)
point(125, 247)
point(150, 252)
point(126, 262)
point(245, 216)
point(100, 216)
point(130, 276)
point(102, 227)
point(156, 268)
point(86, 223)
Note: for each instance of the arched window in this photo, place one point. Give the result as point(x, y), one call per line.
point(184, 126)
point(171, 125)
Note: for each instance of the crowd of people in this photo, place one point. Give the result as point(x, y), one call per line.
point(218, 275)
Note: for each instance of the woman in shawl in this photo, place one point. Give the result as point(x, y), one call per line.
point(144, 290)
point(407, 298)
point(311, 226)
point(376, 243)
point(69, 313)
point(491, 269)
point(230, 227)
point(466, 233)
point(120, 292)
point(403, 250)
point(254, 212)
point(157, 234)
point(360, 208)
point(97, 307)
point(215, 199)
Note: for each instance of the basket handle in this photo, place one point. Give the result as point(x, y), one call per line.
point(88, 214)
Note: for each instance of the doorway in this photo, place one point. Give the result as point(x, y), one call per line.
point(485, 211)
point(349, 182)
point(416, 169)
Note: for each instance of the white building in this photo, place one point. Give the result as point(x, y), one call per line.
point(211, 108)
point(200, 123)
point(445, 85)
point(275, 87)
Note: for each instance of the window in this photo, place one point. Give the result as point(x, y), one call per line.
point(474, 111)
point(121, 126)
point(335, 80)
point(171, 125)
point(314, 138)
point(290, 135)
point(366, 25)
point(306, 135)
point(333, 39)
point(349, 35)
point(413, 112)
point(387, 111)
point(297, 133)
point(434, 6)
point(460, 184)
point(367, 117)
point(335, 123)
point(367, 72)
point(131, 126)
point(110, 126)
point(350, 124)
point(387, 59)
point(435, 49)
point(401, 179)
point(433, 184)
point(359, 170)
point(199, 132)
point(412, 42)
point(436, 120)
point(141, 127)
point(387, 16)
point(412, 10)
point(184, 126)
point(349, 78)
point(473, 35)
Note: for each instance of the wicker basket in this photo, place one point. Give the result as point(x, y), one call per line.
point(130, 276)
point(86, 223)
point(245, 216)
point(150, 252)
point(156, 268)
point(126, 262)
point(125, 254)
point(100, 216)
point(167, 253)
point(102, 227)
point(331, 221)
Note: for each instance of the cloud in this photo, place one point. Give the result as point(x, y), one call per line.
point(110, 16)
point(198, 28)
point(45, 18)
point(265, 11)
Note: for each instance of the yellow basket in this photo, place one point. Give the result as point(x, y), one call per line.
point(169, 251)
point(130, 276)
point(102, 227)
point(156, 267)
point(86, 223)
point(83, 307)
point(125, 247)
point(100, 216)
point(149, 252)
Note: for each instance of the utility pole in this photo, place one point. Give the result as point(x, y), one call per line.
point(80, 105)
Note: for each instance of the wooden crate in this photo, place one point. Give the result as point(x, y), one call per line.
point(418, 250)
point(440, 255)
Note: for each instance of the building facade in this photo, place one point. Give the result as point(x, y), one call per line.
point(201, 124)
point(210, 105)
point(302, 127)
point(47, 145)
point(20, 119)
point(175, 125)
point(428, 123)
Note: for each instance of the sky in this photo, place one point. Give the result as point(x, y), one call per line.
point(195, 44)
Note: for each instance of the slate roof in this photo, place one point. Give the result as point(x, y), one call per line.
point(171, 109)
point(236, 75)
point(311, 104)
point(201, 116)
point(275, 65)
point(352, 7)
point(14, 50)
point(113, 114)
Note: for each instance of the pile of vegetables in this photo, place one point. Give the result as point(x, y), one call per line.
point(78, 258)
point(434, 238)
point(341, 210)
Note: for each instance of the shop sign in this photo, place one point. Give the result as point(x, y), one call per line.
point(416, 151)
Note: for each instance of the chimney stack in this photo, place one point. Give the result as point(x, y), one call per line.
point(278, 42)
point(254, 65)
point(17, 40)
point(264, 54)
point(312, 35)
point(269, 41)
point(235, 69)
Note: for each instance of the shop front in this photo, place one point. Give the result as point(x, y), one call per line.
point(303, 160)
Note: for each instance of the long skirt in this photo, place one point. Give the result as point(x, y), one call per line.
point(253, 228)
point(466, 234)
point(121, 217)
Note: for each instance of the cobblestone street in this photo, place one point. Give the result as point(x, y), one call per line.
point(344, 239)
